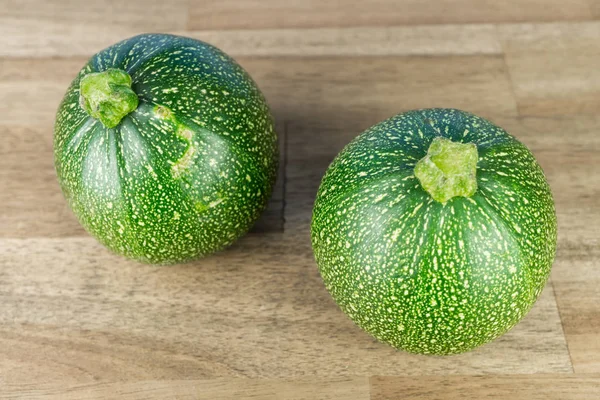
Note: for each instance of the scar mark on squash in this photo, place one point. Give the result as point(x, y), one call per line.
point(207, 203)
point(200, 206)
point(180, 166)
point(185, 133)
point(215, 203)
point(163, 112)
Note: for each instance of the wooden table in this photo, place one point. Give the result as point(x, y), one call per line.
point(255, 321)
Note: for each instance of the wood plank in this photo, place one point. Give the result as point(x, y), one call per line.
point(432, 39)
point(30, 200)
point(584, 348)
point(516, 387)
point(553, 67)
point(580, 314)
point(272, 219)
point(360, 91)
point(33, 28)
point(576, 279)
point(217, 389)
point(142, 14)
point(74, 313)
point(226, 14)
point(520, 38)
point(31, 203)
point(358, 41)
point(595, 8)
point(30, 38)
point(31, 89)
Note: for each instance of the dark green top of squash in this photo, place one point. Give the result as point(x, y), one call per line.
point(165, 148)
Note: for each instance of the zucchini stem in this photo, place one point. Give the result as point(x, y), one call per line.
point(107, 96)
point(448, 170)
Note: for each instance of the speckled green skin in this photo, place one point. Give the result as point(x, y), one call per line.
point(424, 276)
point(186, 173)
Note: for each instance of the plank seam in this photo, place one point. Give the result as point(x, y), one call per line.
point(509, 75)
point(284, 175)
point(562, 326)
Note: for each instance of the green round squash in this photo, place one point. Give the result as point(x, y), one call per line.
point(434, 231)
point(165, 149)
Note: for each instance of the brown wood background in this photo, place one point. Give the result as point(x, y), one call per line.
point(255, 321)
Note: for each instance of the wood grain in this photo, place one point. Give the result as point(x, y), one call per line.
point(364, 90)
point(357, 41)
point(517, 387)
point(576, 278)
point(30, 200)
point(595, 7)
point(578, 303)
point(31, 203)
point(28, 84)
point(146, 14)
point(45, 41)
point(74, 313)
point(225, 14)
point(550, 66)
point(255, 321)
point(216, 389)
point(33, 28)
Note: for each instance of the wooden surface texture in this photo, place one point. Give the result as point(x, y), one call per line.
point(255, 321)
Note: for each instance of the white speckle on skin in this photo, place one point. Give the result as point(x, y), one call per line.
point(215, 203)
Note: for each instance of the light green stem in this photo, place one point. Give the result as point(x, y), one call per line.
point(107, 96)
point(448, 169)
